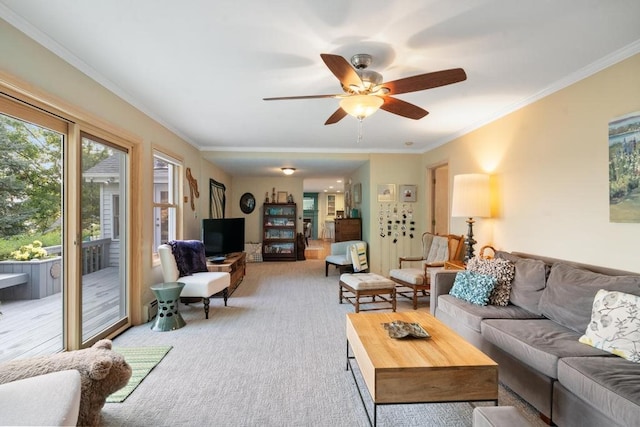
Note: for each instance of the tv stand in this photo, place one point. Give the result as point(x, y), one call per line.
point(235, 264)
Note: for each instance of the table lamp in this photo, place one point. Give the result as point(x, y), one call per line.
point(470, 199)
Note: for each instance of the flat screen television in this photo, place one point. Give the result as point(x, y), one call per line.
point(223, 236)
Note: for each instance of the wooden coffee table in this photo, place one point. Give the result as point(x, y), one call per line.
point(443, 368)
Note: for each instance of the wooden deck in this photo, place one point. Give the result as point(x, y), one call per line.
point(33, 327)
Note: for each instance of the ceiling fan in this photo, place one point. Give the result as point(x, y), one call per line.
point(364, 91)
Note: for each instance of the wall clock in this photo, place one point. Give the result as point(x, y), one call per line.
point(247, 203)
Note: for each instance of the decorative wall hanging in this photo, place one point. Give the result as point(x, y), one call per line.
point(193, 189)
point(247, 203)
point(407, 193)
point(386, 192)
point(624, 168)
point(217, 199)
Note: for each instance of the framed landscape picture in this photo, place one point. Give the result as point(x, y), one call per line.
point(386, 192)
point(624, 168)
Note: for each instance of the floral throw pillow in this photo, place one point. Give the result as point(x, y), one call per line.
point(503, 271)
point(473, 287)
point(615, 324)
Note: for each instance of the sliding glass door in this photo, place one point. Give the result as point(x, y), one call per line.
point(63, 233)
point(31, 273)
point(104, 236)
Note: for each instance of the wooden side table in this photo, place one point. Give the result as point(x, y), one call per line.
point(454, 265)
point(235, 265)
point(169, 317)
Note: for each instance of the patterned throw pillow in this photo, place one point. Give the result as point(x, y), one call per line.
point(615, 324)
point(253, 251)
point(504, 271)
point(473, 287)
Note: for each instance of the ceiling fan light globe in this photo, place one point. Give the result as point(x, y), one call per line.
point(369, 78)
point(361, 106)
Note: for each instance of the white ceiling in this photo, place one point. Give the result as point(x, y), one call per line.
point(202, 67)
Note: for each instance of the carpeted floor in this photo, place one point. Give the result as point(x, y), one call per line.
point(274, 357)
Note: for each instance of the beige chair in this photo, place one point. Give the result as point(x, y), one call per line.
point(197, 286)
point(435, 251)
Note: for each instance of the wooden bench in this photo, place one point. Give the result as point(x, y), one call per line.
point(8, 280)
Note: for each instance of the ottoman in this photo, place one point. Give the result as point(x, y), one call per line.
point(357, 285)
point(495, 416)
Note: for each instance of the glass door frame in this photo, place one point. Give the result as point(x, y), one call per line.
point(32, 102)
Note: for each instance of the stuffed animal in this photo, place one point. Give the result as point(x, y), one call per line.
point(102, 372)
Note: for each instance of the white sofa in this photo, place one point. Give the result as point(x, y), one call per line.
point(45, 400)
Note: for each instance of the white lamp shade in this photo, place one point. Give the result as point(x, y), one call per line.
point(470, 196)
point(361, 106)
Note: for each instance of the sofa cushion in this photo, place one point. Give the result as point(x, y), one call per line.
point(539, 343)
point(473, 287)
point(503, 270)
point(338, 260)
point(615, 324)
point(51, 399)
point(471, 315)
point(568, 297)
point(439, 250)
point(610, 384)
point(528, 284)
point(414, 276)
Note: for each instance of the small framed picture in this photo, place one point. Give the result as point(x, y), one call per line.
point(386, 192)
point(407, 193)
point(282, 197)
point(357, 193)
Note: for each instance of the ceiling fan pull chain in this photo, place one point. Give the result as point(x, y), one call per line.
point(359, 129)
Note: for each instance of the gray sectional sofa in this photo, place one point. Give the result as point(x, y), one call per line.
point(534, 340)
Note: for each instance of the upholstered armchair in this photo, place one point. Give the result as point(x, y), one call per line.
point(435, 251)
point(199, 283)
point(341, 256)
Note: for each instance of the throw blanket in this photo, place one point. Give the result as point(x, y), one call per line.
point(359, 257)
point(189, 255)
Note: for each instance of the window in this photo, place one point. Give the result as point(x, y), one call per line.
point(308, 203)
point(166, 177)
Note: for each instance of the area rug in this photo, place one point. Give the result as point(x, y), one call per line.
point(142, 360)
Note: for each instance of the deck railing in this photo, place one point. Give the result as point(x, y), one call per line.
point(95, 254)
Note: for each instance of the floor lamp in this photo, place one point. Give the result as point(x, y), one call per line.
point(470, 199)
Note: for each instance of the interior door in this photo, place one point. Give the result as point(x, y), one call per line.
point(440, 200)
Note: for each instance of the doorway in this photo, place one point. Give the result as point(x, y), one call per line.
point(440, 199)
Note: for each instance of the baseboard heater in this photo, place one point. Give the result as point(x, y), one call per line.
point(151, 310)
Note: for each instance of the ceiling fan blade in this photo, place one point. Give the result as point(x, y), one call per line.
point(403, 108)
point(342, 70)
point(425, 81)
point(338, 115)
point(280, 98)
